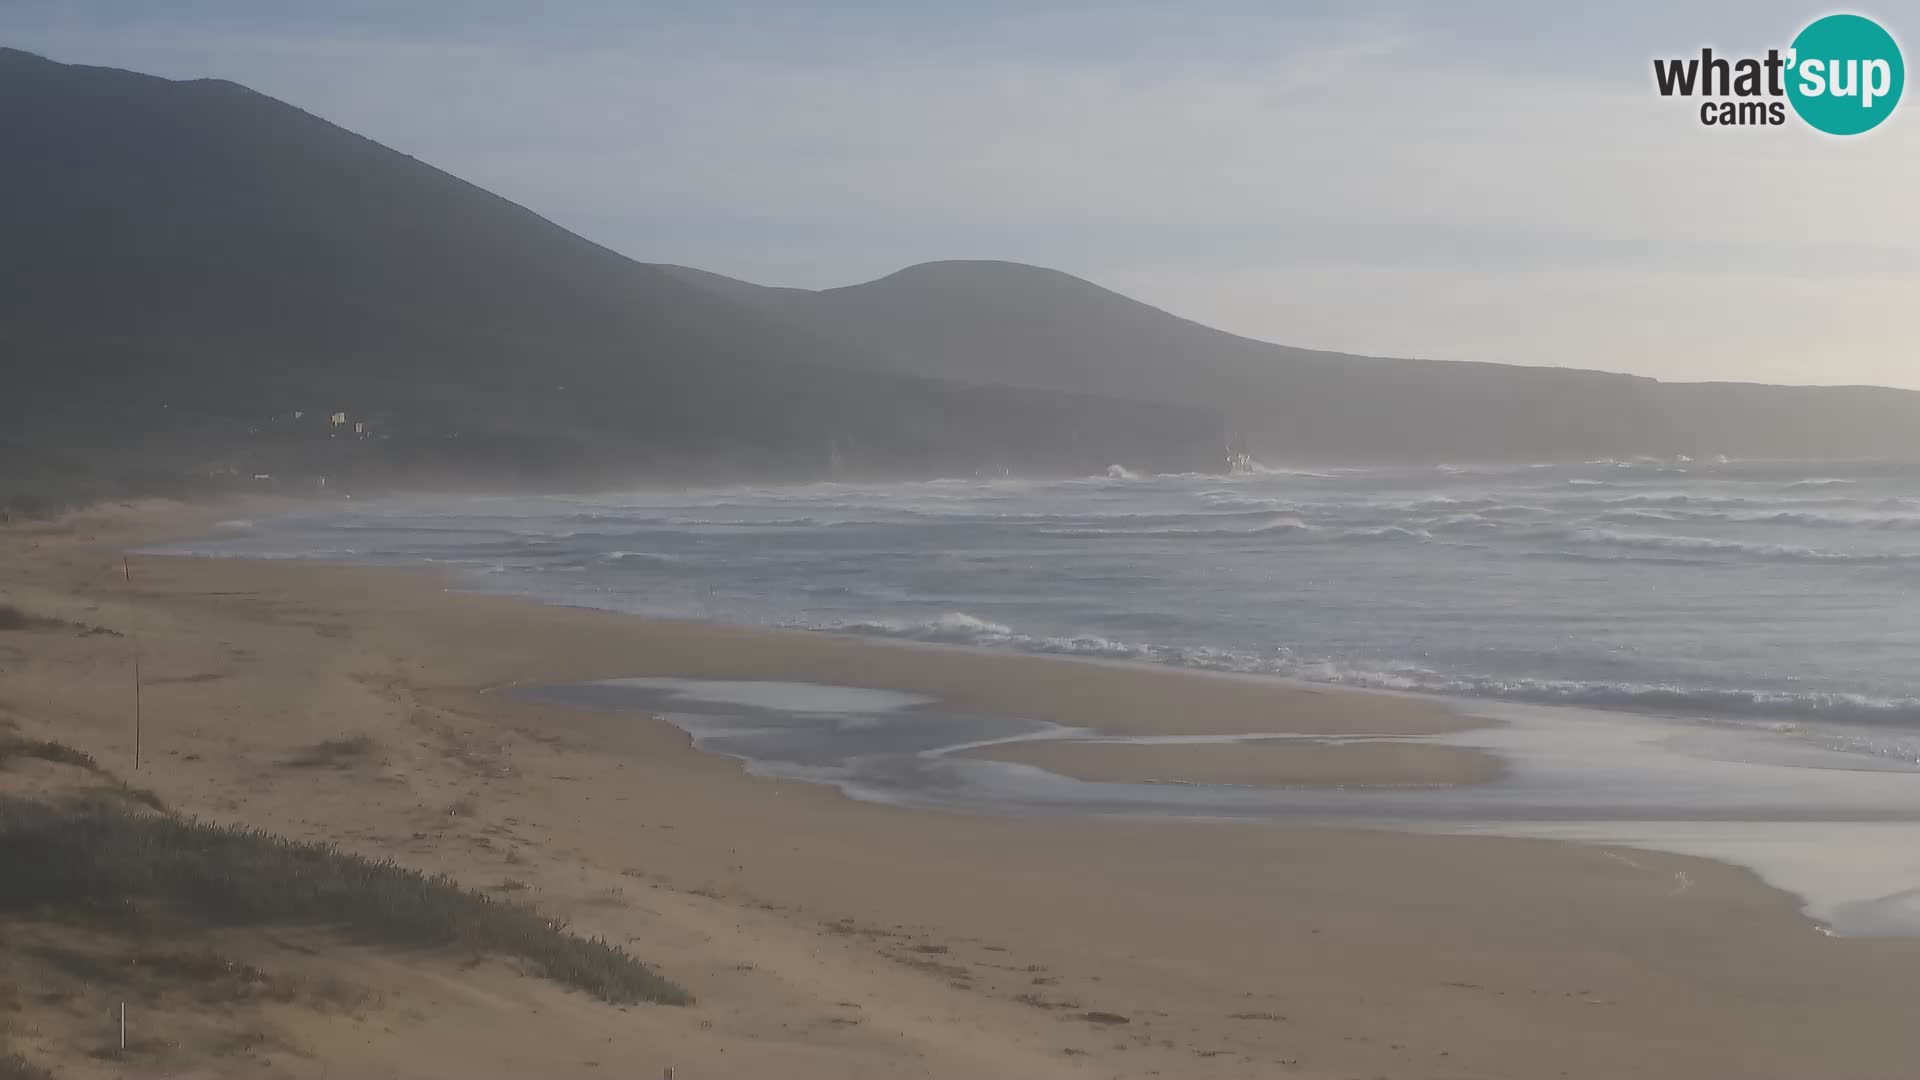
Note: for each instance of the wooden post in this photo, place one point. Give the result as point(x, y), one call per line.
point(126, 572)
point(136, 708)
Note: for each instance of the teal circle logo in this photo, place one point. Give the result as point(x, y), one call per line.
point(1845, 74)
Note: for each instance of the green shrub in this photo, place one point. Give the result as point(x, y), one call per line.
point(28, 507)
point(15, 1067)
point(45, 750)
point(334, 753)
point(92, 857)
point(12, 618)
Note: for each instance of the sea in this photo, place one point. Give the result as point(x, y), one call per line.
point(1762, 592)
point(1615, 617)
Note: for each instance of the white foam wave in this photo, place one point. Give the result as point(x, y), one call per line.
point(1815, 520)
point(1645, 517)
point(960, 628)
point(1462, 523)
point(1701, 545)
point(1385, 533)
point(1271, 525)
point(1241, 501)
point(1255, 468)
point(1646, 512)
point(1675, 499)
point(1448, 503)
point(645, 557)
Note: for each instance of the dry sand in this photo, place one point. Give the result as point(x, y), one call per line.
point(827, 937)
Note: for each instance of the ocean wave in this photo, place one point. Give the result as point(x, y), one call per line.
point(1815, 520)
point(1386, 533)
point(808, 522)
point(1425, 509)
point(1675, 499)
point(1242, 501)
point(1665, 699)
point(635, 526)
point(1701, 545)
point(1292, 525)
point(960, 628)
point(1278, 508)
point(644, 557)
point(1447, 504)
point(1460, 523)
point(1609, 557)
point(1645, 517)
point(1255, 468)
point(1273, 524)
point(1807, 519)
point(1638, 461)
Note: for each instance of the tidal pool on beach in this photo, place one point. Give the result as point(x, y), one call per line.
point(1839, 829)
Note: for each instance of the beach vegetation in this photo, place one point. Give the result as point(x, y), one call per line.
point(15, 1067)
point(13, 746)
point(94, 859)
point(12, 618)
point(343, 753)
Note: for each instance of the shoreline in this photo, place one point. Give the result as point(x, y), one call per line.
point(1255, 762)
point(965, 944)
point(1400, 755)
point(1401, 758)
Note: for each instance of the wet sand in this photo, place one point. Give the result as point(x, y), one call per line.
point(1253, 763)
point(825, 936)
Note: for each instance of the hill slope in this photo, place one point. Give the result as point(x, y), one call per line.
point(1023, 325)
point(186, 261)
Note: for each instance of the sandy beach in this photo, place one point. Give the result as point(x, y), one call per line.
point(827, 937)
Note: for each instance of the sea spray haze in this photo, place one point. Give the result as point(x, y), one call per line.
point(1779, 593)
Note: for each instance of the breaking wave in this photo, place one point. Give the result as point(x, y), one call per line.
point(960, 628)
point(1738, 588)
point(1701, 545)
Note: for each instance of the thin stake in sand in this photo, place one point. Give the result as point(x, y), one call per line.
point(126, 572)
point(136, 707)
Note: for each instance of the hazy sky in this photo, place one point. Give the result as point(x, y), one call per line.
point(1466, 181)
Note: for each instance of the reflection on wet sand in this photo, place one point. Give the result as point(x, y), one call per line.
point(1840, 829)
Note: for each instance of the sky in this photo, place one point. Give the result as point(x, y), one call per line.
point(1467, 180)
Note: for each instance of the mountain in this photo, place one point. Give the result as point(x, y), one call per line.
point(1027, 326)
point(187, 265)
point(196, 279)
